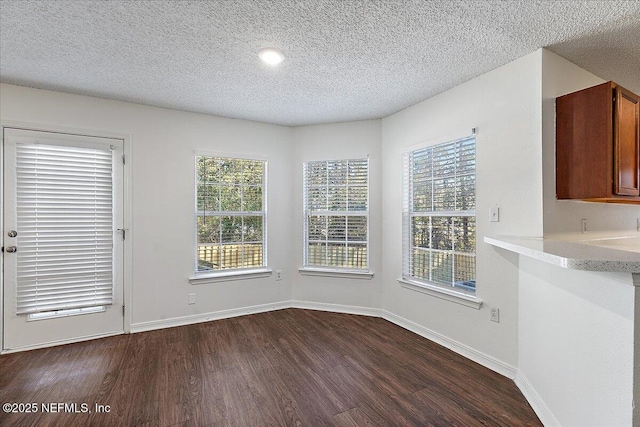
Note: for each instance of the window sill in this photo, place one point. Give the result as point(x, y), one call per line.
point(345, 274)
point(205, 278)
point(443, 293)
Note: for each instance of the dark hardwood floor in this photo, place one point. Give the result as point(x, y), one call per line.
point(287, 367)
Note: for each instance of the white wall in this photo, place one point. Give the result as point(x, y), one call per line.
point(162, 229)
point(576, 344)
point(636, 352)
point(512, 108)
point(353, 140)
point(504, 105)
point(560, 77)
point(575, 329)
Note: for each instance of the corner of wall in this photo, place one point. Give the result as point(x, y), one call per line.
point(348, 140)
point(560, 77)
point(535, 400)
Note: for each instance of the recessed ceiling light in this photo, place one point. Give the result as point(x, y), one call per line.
point(271, 55)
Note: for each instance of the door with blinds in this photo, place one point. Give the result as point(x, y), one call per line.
point(62, 247)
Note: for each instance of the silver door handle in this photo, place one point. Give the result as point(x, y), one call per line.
point(11, 249)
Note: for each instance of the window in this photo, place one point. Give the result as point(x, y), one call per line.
point(230, 213)
point(336, 214)
point(439, 215)
point(64, 200)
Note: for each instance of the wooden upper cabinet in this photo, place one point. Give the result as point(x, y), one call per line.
point(597, 145)
point(626, 154)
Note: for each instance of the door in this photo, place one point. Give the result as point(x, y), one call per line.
point(626, 143)
point(62, 250)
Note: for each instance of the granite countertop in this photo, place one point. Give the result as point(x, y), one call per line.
point(614, 254)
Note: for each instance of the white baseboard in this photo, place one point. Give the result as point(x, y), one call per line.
point(539, 406)
point(470, 353)
point(206, 317)
point(466, 351)
point(336, 308)
point(243, 311)
point(529, 392)
point(532, 396)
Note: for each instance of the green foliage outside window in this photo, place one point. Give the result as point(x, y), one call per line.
point(440, 214)
point(336, 214)
point(230, 214)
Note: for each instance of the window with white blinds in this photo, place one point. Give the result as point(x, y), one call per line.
point(439, 224)
point(336, 214)
point(64, 198)
point(230, 213)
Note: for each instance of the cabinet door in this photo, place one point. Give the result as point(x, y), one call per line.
point(626, 143)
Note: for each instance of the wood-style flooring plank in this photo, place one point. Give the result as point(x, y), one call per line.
point(283, 368)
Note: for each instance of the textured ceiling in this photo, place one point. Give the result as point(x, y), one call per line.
point(345, 60)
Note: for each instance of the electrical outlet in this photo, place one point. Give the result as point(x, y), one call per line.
point(583, 226)
point(278, 274)
point(495, 315)
point(192, 299)
point(495, 214)
point(638, 224)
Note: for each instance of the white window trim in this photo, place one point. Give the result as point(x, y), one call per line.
point(230, 275)
point(460, 134)
point(441, 292)
point(423, 285)
point(203, 277)
point(247, 156)
point(328, 272)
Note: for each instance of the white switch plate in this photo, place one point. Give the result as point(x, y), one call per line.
point(583, 226)
point(192, 299)
point(278, 274)
point(495, 214)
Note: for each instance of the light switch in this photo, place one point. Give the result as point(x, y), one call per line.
point(495, 214)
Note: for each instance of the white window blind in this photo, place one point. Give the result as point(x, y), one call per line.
point(65, 221)
point(336, 214)
point(230, 213)
point(439, 227)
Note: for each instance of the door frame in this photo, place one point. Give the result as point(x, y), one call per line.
point(127, 216)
